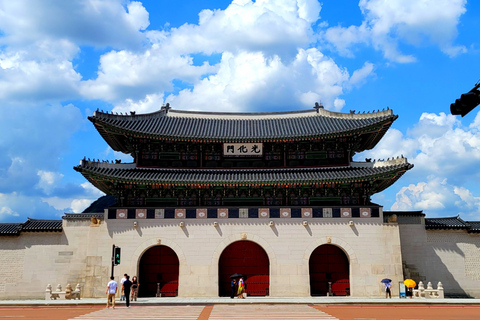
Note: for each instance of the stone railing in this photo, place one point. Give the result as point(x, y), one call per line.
point(68, 294)
point(429, 293)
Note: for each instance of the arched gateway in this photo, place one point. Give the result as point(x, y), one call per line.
point(158, 274)
point(329, 265)
point(246, 258)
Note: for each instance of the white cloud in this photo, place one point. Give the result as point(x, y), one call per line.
point(437, 197)
point(360, 76)
point(7, 212)
point(431, 196)
point(273, 27)
point(125, 74)
point(76, 203)
point(48, 180)
point(33, 140)
point(387, 24)
point(249, 81)
point(436, 144)
point(35, 79)
point(446, 157)
point(85, 22)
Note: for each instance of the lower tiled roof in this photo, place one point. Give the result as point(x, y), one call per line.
point(130, 173)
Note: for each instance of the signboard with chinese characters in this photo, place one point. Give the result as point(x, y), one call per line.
point(243, 149)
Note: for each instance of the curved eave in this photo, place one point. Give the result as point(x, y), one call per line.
point(264, 127)
point(103, 175)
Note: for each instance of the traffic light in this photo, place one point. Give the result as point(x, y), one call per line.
point(117, 256)
point(467, 102)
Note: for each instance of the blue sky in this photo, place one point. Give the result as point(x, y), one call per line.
point(61, 60)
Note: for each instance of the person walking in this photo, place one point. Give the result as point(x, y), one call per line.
point(126, 286)
point(233, 285)
point(135, 285)
point(388, 292)
point(122, 294)
point(111, 292)
point(240, 289)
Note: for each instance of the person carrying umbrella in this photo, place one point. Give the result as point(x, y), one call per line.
point(234, 284)
point(241, 288)
point(410, 284)
point(388, 287)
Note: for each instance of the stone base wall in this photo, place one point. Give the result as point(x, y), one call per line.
point(81, 254)
point(449, 256)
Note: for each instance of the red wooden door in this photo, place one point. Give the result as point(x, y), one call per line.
point(158, 270)
point(249, 259)
point(329, 263)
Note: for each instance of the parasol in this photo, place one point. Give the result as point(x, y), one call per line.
point(409, 283)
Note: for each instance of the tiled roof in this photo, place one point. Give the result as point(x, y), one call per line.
point(69, 216)
point(99, 171)
point(31, 225)
point(37, 225)
point(474, 226)
point(241, 127)
point(445, 223)
point(10, 229)
point(452, 223)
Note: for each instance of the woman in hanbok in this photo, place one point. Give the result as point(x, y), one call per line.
point(241, 289)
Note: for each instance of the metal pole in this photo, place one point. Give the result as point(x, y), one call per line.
point(113, 258)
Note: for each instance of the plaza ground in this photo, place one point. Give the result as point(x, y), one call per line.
point(250, 308)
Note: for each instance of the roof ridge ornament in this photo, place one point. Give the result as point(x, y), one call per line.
point(166, 107)
point(318, 106)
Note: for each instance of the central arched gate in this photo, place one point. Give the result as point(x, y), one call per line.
point(246, 258)
point(158, 275)
point(329, 271)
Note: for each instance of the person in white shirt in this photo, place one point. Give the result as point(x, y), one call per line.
point(122, 294)
point(111, 292)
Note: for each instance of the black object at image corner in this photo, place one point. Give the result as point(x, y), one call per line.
point(467, 102)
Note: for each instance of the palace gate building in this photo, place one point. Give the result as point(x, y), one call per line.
point(274, 196)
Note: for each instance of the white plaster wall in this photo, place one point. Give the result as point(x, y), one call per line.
point(449, 256)
point(81, 254)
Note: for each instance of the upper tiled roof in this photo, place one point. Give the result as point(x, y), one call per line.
point(241, 127)
point(97, 172)
point(31, 225)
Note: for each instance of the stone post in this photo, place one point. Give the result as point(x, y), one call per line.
point(441, 294)
point(48, 292)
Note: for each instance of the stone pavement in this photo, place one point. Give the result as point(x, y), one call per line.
point(217, 312)
point(249, 300)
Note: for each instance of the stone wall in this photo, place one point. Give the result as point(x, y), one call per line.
point(81, 254)
point(449, 256)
